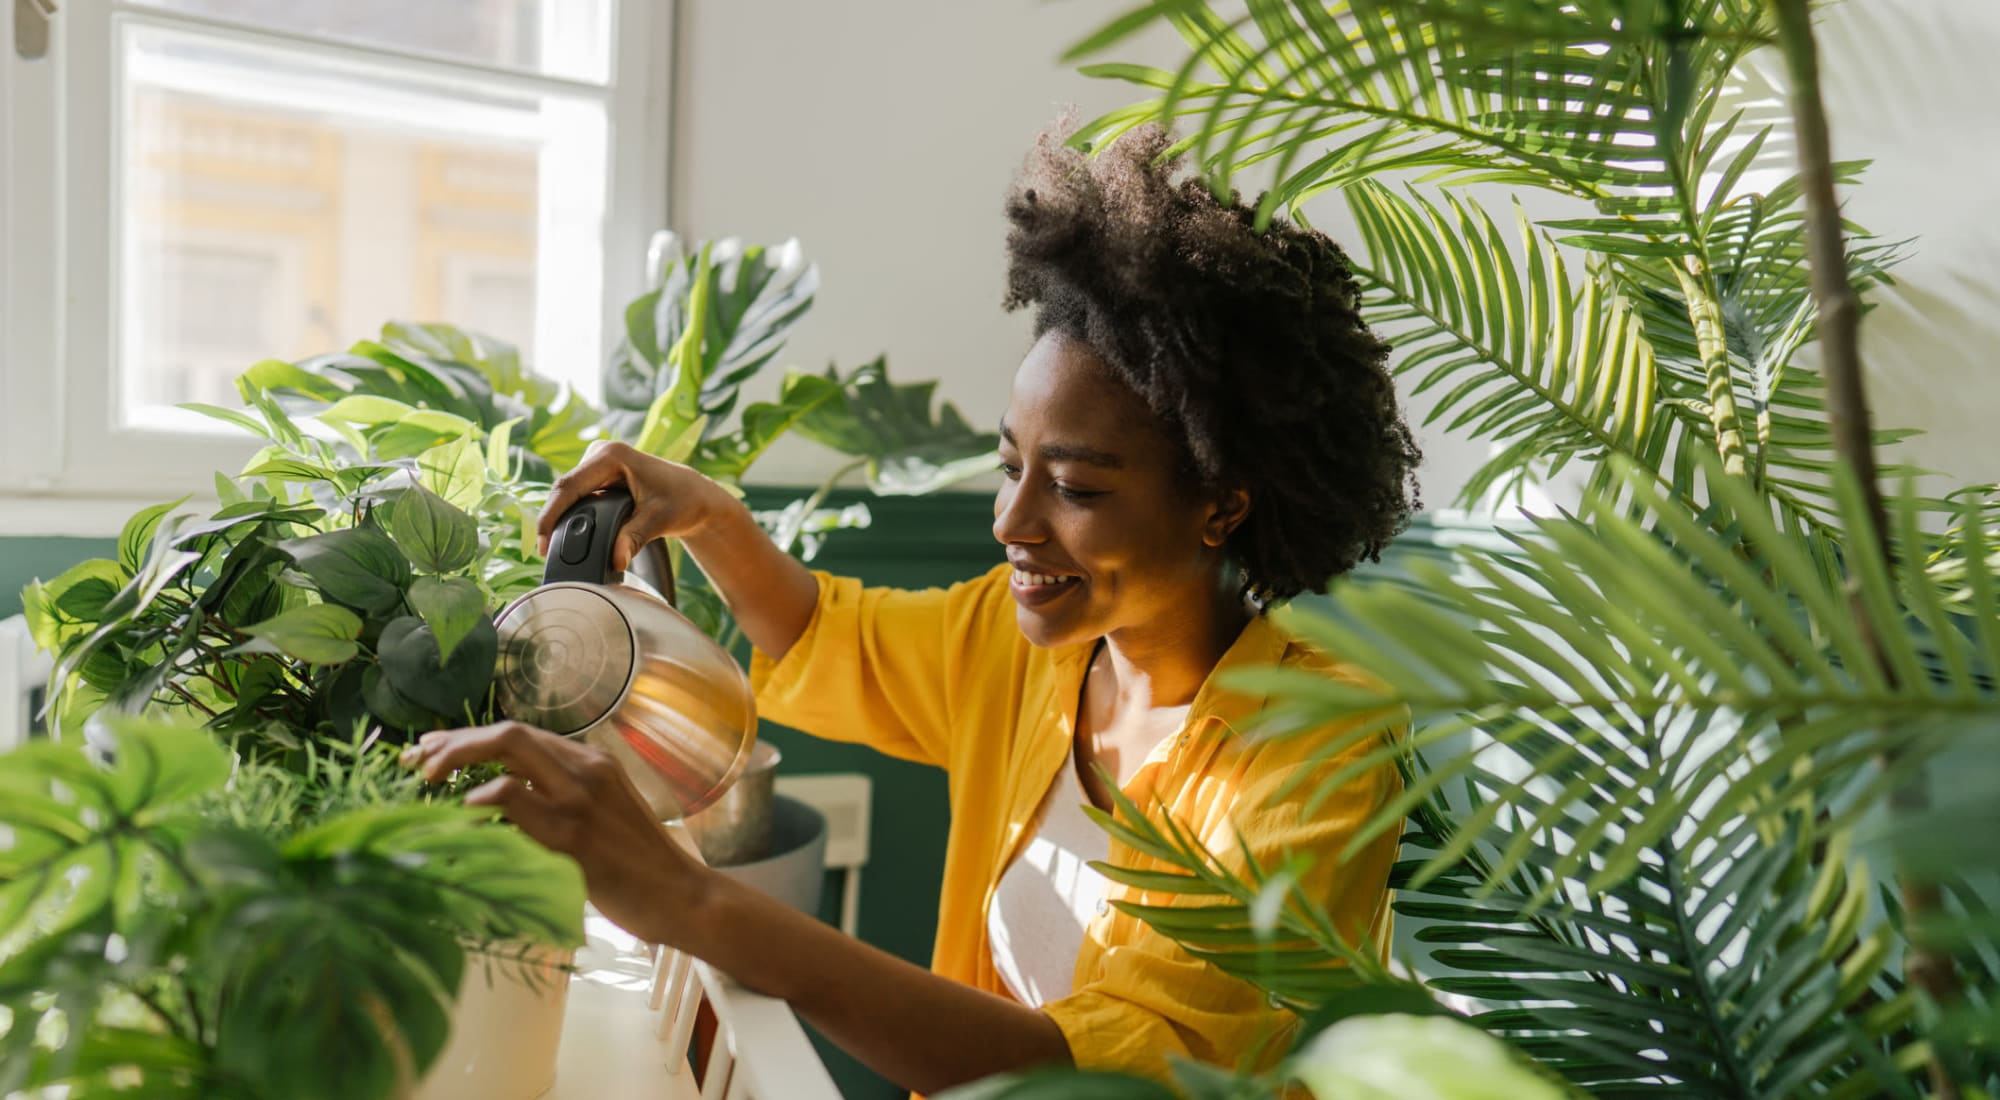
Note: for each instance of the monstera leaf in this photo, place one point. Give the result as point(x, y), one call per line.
point(718, 317)
point(908, 450)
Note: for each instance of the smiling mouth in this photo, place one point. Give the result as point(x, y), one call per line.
point(1041, 580)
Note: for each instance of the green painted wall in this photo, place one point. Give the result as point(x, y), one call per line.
point(913, 543)
point(29, 559)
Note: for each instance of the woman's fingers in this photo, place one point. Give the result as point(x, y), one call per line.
point(523, 806)
point(541, 758)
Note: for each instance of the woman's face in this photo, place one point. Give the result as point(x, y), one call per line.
point(1102, 531)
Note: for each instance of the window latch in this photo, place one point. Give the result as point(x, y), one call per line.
point(31, 27)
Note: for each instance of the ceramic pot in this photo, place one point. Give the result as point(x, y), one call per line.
point(506, 1030)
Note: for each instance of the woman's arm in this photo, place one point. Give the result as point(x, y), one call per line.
point(768, 591)
point(919, 1030)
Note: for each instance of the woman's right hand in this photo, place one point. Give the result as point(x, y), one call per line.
point(669, 500)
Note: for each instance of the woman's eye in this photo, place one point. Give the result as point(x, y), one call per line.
point(1068, 493)
point(1012, 471)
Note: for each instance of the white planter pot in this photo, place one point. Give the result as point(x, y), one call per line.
point(506, 1029)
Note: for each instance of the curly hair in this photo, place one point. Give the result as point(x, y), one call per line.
point(1249, 347)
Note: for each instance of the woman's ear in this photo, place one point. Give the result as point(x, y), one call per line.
point(1225, 515)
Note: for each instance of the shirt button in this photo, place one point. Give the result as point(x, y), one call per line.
point(1103, 907)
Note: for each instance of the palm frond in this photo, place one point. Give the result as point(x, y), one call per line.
point(1247, 920)
point(1642, 863)
point(1528, 350)
point(1615, 635)
point(1586, 98)
point(1725, 970)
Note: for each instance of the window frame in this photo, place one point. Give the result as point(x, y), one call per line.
point(67, 467)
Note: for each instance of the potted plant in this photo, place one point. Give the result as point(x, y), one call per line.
point(343, 595)
point(1669, 822)
point(173, 929)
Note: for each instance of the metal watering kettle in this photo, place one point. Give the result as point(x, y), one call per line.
point(588, 655)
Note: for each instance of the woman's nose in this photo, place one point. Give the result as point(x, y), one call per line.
point(1014, 518)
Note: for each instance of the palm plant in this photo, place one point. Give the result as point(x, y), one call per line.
point(1667, 786)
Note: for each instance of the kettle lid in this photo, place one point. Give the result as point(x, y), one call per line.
point(566, 657)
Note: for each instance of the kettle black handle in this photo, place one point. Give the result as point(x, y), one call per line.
point(580, 546)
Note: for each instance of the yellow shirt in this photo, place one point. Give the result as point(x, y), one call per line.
point(945, 677)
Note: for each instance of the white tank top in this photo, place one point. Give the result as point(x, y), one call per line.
point(1047, 896)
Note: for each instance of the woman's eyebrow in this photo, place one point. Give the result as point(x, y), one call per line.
point(1068, 452)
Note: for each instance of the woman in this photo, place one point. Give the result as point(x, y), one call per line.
point(1204, 426)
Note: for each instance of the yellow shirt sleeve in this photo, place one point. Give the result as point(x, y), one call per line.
point(1144, 999)
point(886, 667)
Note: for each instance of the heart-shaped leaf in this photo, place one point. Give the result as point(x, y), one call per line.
point(359, 567)
point(455, 471)
point(439, 536)
point(72, 603)
point(413, 665)
point(322, 634)
point(390, 705)
point(139, 531)
point(450, 606)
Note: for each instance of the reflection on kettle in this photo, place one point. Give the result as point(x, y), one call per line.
point(592, 656)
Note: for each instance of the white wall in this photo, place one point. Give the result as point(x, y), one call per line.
point(884, 133)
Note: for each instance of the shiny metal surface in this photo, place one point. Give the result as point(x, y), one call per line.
point(736, 828)
point(681, 722)
point(566, 657)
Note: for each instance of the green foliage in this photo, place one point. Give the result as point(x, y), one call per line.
point(221, 942)
point(154, 922)
point(1648, 739)
point(717, 318)
point(736, 303)
point(908, 450)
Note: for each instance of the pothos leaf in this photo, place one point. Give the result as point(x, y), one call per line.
point(439, 536)
point(358, 566)
point(455, 471)
point(138, 532)
point(320, 634)
point(450, 606)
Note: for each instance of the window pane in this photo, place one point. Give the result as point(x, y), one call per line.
point(281, 205)
point(568, 38)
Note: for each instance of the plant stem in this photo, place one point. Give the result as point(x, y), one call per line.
point(188, 698)
point(1706, 315)
point(1839, 324)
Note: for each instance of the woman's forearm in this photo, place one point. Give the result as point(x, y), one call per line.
point(770, 593)
point(921, 1031)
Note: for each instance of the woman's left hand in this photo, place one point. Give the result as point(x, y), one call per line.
point(575, 799)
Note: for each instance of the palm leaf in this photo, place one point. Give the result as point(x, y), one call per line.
point(1247, 920)
point(1611, 634)
point(1587, 98)
point(1528, 350)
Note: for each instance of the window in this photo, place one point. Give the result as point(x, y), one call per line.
point(190, 186)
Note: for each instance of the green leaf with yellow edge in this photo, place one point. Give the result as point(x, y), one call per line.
point(366, 409)
point(455, 471)
point(72, 604)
